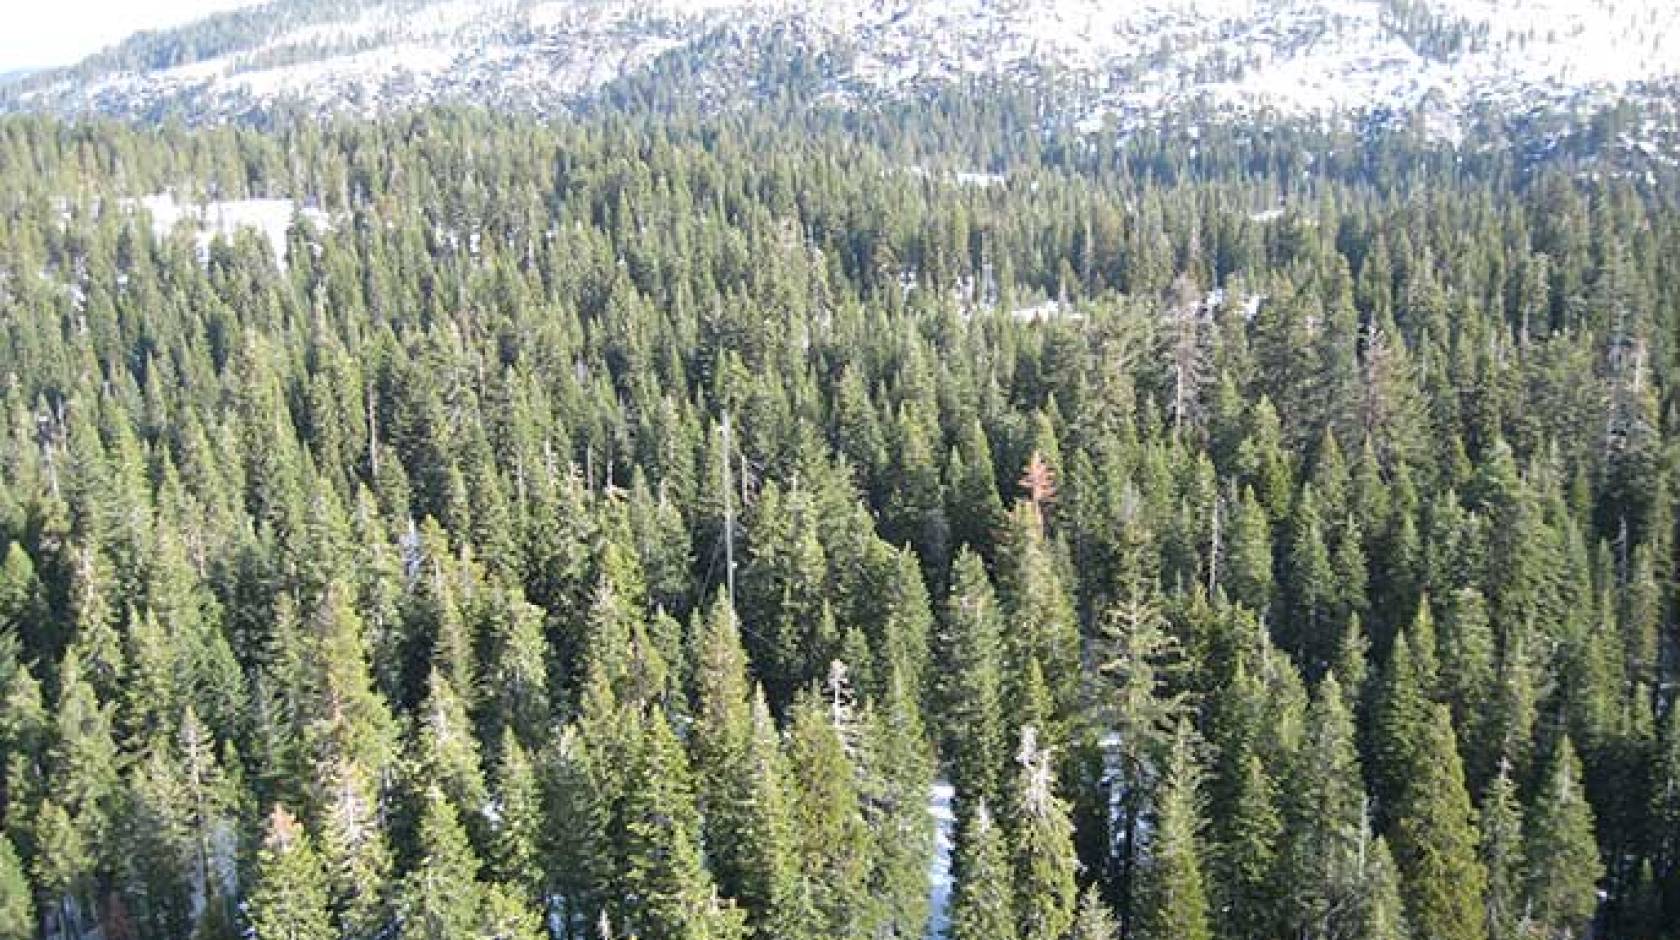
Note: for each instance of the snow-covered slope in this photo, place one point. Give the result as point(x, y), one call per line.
point(1120, 62)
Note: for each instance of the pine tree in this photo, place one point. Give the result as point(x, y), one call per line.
point(1249, 566)
point(86, 785)
point(289, 899)
point(355, 849)
point(778, 898)
point(448, 755)
point(1563, 859)
point(1380, 913)
point(1665, 810)
point(1094, 920)
point(441, 898)
point(1327, 833)
point(1174, 894)
point(834, 844)
point(508, 915)
point(1039, 611)
point(970, 677)
point(896, 768)
point(1312, 586)
point(1442, 879)
point(721, 738)
point(1398, 724)
point(1469, 680)
point(983, 902)
point(17, 907)
point(1045, 863)
point(1503, 856)
point(516, 845)
point(1136, 658)
point(974, 507)
point(1247, 884)
point(666, 892)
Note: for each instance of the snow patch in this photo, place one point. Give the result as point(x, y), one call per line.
point(940, 883)
point(271, 218)
point(1045, 312)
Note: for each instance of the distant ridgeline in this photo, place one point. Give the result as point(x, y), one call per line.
point(912, 519)
point(1443, 65)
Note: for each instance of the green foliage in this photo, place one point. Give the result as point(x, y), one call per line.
point(1046, 894)
point(1435, 839)
point(667, 892)
point(983, 902)
point(289, 901)
point(424, 533)
point(17, 908)
point(1563, 859)
point(1504, 857)
point(1094, 921)
point(441, 897)
point(1174, 892)
point(970, 664)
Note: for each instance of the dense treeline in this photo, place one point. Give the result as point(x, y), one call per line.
point(1299, 573)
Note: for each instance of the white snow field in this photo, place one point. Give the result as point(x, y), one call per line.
point(1128, 61)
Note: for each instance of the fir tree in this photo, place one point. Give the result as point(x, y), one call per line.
point(1442, 878)
point(1504, 858)
point(970, 694)
point(1045, 864)
point(1094, 920)
point(17, 907)
point(516, 843)
point(289, 900)
point(1175, 897)
point(983, 902)
point(667, 893)
point(1563, 859)
point(1249, 578)
point(441, 898)
point(1327, 831)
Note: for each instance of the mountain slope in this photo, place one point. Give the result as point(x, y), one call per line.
point(1110, 62)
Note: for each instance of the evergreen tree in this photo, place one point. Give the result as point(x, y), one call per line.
point(1442, 879)
point(778, 898)
point(970, 677)
point(289, 900)
point(1045, 864)
point(1665, 812)
point(17, 907)
point(1094, 920)
point(1249, 581)
point(1137, 656)
point(1380, 913)
point(1328, 836)
point(720, 742)
point(1246, 861)
point(896, 771)
point(1175, 897)
point(1504, 858)
point(516, 845)
point(983, 902)
point(1400, 715)
point(441, 898)
point(1038, 611)
point(666, 892)
point(1563, 859)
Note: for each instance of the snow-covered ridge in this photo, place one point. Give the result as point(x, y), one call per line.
point(1128, 61)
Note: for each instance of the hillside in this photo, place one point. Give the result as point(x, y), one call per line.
point(1100, 63)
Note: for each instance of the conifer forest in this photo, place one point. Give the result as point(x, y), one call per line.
point(796, 524)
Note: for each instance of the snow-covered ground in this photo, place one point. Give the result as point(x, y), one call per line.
point(1123, 63)
point(940, 883)
point(269, 217)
